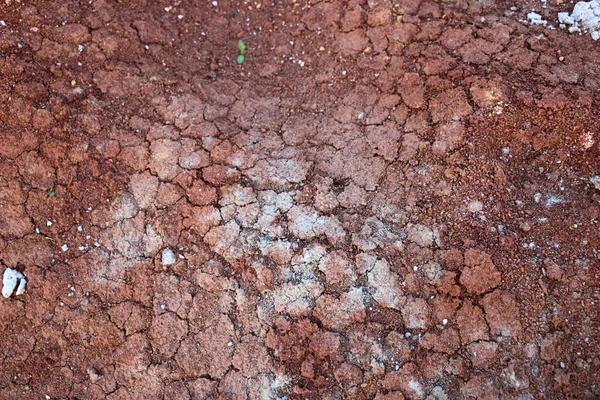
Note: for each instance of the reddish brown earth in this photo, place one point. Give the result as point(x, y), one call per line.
point(387, 200)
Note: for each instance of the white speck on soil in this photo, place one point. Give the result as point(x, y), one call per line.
point(416, 386)
point(475, 206)
point(13, 279)
point(553, 200)
point(64, 247)
point(168, 257)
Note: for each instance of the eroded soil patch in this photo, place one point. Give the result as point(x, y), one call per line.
point(386, 200)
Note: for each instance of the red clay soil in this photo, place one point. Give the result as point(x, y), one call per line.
point(387, 200)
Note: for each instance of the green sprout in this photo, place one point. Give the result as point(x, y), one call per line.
point(50, 192)
point(242, 47)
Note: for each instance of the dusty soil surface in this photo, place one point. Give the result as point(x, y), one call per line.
point(387, 200)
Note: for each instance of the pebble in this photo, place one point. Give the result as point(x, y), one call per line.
point(13, 279)
point(168, 257)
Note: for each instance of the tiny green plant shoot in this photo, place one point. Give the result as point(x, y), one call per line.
point(242, 47)
point(50, 192)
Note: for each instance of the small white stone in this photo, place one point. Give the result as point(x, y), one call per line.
point(10, 280)
point(564, 18)
point(80, 228)
point(214, 3)
point(64, 247)
point(168, 257)
point(444, 321)
point(48, 223)
point(536, 19)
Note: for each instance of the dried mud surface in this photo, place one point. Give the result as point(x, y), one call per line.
point(387, 200)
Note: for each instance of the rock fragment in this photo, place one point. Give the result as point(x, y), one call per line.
point(168, 257)
point(12, 280)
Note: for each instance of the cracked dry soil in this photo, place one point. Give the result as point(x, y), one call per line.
point(387, 200)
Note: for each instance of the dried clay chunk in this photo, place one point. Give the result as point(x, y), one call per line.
point(10, 280)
